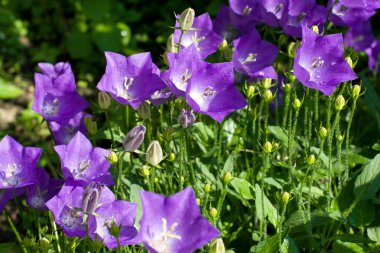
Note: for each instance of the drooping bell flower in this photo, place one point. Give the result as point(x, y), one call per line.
point(83, 163)
point(55, 101)
point(67, 206)
point(130, 80)
point(373, 53)
point(272, 11)
point(173, 224)
point(111, 220)
point(212, 91)
point(43, 190)
point(201, 35)
point(319, 62)
point(182, 65)
point(360, 36)
point(352, 12)
point(18, 164)
point(254, 57)
point(64, 133)
point(302, 13)
point(161, 96)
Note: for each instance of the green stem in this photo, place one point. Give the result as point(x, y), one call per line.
point(346, 172)
point(189, 160)
point(109, 128)
point(286, 109)
point(15, 232)
point(55, 232)
point(330, 136)
point(220, 139)
point(316, 103)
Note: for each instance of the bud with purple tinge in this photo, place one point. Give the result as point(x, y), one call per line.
point(91, 197)
point(134, 138)
point(186, 118)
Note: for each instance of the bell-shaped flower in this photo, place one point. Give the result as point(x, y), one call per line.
point(212, 91)
point(161, 96)
point(64, 133)
point(130, 80)
point(18, 164)
point(173, 224)
point(272, 11)
point(83, 163)
point(360, 36)
point(43, 190)
point(201, 35)
point(352, 12)
point(60, 72)
point(319, 62)
point(373, 53)
point(254, 57)
point(115, 219)
point(55, 100)
point(67, 206)
point(246, 8)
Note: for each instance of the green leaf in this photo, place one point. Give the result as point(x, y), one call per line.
point(276, 182)
point(95, 9)
point(281, 135)
point(9, 90)
point(243, 187)
point(374, 234)
point(269, 245)
point(352, 238)
point(107, 37)
point(135, 198)
point(229, 164)
point(363, 214)
point(269, 209)
point(289, 246)
point(346, 247)
point(368, 182)
point(318, 218)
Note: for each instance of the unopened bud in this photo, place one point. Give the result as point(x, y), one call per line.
point(323, 132)
point(310, 159)
point(171, 46)
point(217, 246)
point(251, 91)
point(268, 96)
point(287, 88)
point(266, 83)
point(267, 147)
point(112, 158)
point(182, 179)
point(355, 91)
point(145, 171)
point(207, 188)
point(134, 138)
point(91, 125)
point(350, 62)
point(91, 197)
point(186, 20)
point(285, 197)
point(198, 201)
point(155, 180)
point(224, 45)
point(172, 157)
point(315, 29)
point(27, 242)
point(186, 118)
point(44, 244)
point(104, 100)
point(227, 177)
point(340, 102)
point(154, 153)
point(340, 138)
point(144, 110)
point(213, 212)
point(276, 146)
point(292, 49)
point(297, 104)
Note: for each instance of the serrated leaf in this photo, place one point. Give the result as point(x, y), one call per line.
point(368, 182)
point(243, 187)
point(135, 198)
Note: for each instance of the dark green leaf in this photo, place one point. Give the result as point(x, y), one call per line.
point(363, 214)
point(368, 182)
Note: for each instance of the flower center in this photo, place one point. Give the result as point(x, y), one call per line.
point(50, 108)
point(252, 57)
point(278, 8)
point(161, 245)
point(124, 91)
point(197, 39)
point(37, 201)
point(186, 76)
point(247, 10)
point(69, 217)
point(9, 177)
point(209, 91)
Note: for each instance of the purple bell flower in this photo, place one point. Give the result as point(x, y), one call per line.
point(319, 62)
point(272, 11)
point(83, 163)
point(161, 97)
point(64, 133)
point(246, 8)
point(118, 213)
point(173, 224)
point(55, 100)
point(59, 72)
point(212, 91)
point(254, 57)
point(43, 190)
point(202, 36)
point(360, 36)
point(373, 53)
point(18, 164)
point(352, 12)
point(130, 80)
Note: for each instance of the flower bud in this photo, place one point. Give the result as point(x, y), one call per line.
point(91, 197)
point(182, 179)
point(198, 201)
point(104, 100)
point(213, 212)
point(27, 242)
point(145, 171)
point(315, 29)
point(154, 153)
point(227, 177)
point(287, 88)
point(207, 188)
point(91, 125)
point(297, 104)
point(276, 146)
point(186, 118)
point(172, 157)
point(340, 102)
point(292, 49)
point(323, 132)
point(144, 110)
point(349, 61)
point(224, 45)
point(134, 138)
point(310, 159)
point(44, 244)
point(267, 147)
point(171, 46)
point(112, 158)
point(155, 180)
point(250, 91)
point(217, 246)
point(340, 138)
point(355, 91)
point(186, 20)
point(266, 83)
point(268, 96)
point(285, 198)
